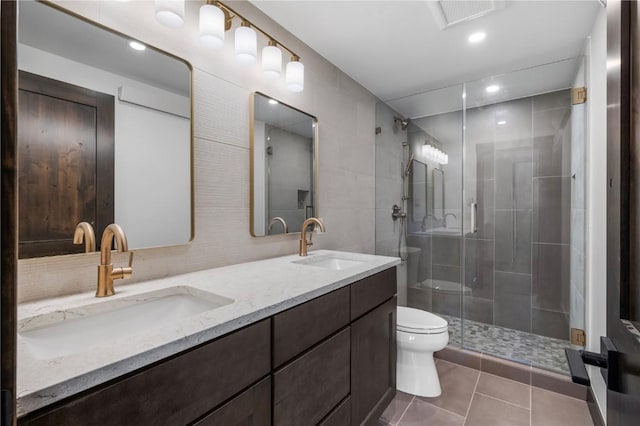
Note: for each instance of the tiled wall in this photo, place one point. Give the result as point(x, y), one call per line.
point(517, 264)
point(346, 116)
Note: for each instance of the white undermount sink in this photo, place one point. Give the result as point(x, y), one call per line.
point(75, 330)
point(333, 262)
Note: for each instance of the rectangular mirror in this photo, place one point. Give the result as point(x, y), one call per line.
point(438, 193)
point(418, 190)
point(283, 167)
point(104, 135)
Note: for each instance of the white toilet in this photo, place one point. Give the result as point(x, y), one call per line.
point(419, 335)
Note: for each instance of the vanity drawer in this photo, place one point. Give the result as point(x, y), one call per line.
point(340, 416)
point(307, 389)
point(299, 328)
point(370, 292)
point(251, 408)
point(177, 391)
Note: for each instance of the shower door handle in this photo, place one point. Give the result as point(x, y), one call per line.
point(474, 218)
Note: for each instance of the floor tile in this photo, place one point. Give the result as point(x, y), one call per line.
point(421, 413)
point(505, 389)
point(396, 408)
point(553, 409)
point(487, 411)
point(458, 384)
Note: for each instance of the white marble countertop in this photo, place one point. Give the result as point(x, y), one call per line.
point(258, 290)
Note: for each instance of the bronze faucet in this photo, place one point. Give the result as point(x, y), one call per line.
point(106, 272)
point(84, 231)
point(285, 228)
point(304, 244)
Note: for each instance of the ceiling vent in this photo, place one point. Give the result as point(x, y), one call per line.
point(451, 12)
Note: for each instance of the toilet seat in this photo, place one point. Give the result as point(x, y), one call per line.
point(417, 321)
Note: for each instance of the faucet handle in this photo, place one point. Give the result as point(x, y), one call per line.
point(124, 272)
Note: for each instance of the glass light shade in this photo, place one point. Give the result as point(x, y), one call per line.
point(246, 45)
point(295, 76)
point(212, 23)
point(170, 12)
point(271, 62)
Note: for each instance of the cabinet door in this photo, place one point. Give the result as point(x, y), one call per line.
point(373, 363)
point(251, 408)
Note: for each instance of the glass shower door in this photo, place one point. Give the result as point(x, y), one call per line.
point(521, 283)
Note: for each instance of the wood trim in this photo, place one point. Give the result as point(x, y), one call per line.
point(9, 206)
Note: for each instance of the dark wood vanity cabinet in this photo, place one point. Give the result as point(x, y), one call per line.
point(329, 361)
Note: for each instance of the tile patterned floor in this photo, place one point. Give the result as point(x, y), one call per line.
point(519, 346)
point(472, 398)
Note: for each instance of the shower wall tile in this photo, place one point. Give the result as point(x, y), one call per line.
point(446, 250)
point(551, 324)
point(553, 100)
point(424, 244)
point(479, 267)
point(451, 274)
point(419, 297)
point(551, 266)
point(512, 303)
point(481, 192)
point(552, 122)
point(446, 303)
point(551, 155)
point(480, 159)
point(513, 252)
point(517, 114)
point(513, 175)
point(480, 310)
point(551, 215)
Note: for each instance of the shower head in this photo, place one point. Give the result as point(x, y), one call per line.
point(407, 169)
point(404, 123)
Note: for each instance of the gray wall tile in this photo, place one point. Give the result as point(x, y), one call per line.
point(551, 214)
point(553, 100)
point(445, 250)
point(445, 303)
point(512, 304)
point(551, 266)
point(513, 175)
point(479, 267)
point(513, 254)
point(446, 273)
point(551, 324)
point(480, 310)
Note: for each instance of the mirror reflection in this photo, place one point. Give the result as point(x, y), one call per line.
point(283, 166)
point(104, 135)
point(418, 190)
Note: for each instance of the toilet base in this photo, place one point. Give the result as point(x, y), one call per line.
point(417, 374)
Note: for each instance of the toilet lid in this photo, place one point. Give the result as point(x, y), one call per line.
point(419, 321)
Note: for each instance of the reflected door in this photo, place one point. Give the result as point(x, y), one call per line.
point(65, 155)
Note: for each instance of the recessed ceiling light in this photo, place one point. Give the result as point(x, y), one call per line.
point(477, 37)
point(273, 102)
point(137, 45)
point(502, 122)
point(493, 88)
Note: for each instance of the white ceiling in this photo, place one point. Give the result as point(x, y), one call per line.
point(396, 49)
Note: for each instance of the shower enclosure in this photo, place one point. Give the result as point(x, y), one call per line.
point(488, 181)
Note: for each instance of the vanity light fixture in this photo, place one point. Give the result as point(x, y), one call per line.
point(136, 45)
point(492, 88)
point(477, 37)
point(170, 13)
point(215, 18)
point(431, 153)
point(212, 25)
point(295, 75)
point(246, 44)
point(271, 61)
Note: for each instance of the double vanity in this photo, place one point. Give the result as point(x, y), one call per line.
point(285, 341)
